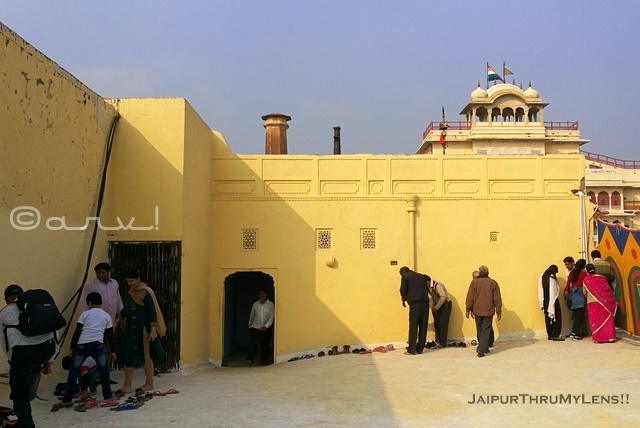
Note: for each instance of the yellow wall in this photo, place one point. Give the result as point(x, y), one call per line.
point(526, 200)
point(162, 158)
point(146, 169)
point(196, 246)
point(52, 142)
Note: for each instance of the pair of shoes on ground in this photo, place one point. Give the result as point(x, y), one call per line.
point(358, 351)
point(574, 336)
point(302, 357)
point(346, 349)
point(90, 403)
point(127, 406)
point(455, 345)
point(61, 405)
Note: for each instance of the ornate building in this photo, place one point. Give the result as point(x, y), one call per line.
point(502, 120)
point(614, 185)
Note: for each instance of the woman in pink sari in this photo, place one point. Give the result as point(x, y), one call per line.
point(601, 306)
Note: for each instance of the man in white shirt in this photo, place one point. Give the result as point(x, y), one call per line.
point(569, 263)
point(108, 288)
point(260, 322)
point(29, 356)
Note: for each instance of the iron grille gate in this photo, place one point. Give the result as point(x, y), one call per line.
point(159, 266)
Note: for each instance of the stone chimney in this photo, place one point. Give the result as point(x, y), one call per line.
point(276, 133)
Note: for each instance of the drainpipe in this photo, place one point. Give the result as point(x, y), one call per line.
point(583, 223)
point(411, 209)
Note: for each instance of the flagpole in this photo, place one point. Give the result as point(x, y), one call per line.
point(487, 74)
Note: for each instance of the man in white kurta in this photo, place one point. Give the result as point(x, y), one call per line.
point(260, 322)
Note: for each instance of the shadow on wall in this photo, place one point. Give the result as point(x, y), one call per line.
point(456, 319)
point(512, 318)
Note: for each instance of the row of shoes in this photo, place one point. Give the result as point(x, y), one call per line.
point(346, 349)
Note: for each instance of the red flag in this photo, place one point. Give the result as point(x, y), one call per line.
point(443, 135)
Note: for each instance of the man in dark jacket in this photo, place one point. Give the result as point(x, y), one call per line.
point(413, 290)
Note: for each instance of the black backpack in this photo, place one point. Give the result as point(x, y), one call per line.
point(38, 313)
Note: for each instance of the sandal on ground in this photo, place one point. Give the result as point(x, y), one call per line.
point(390, 347)
point(61, 405)
point(109, 404)
point(158, 393)
point(125, 406)
point(80, 407)
point(172, 391)
point(91, 403)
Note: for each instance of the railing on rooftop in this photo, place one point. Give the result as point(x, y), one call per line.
point(462, 125)
point(632, 205)
point(607, 160)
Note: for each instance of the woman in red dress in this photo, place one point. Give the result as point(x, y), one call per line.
point(601, 306)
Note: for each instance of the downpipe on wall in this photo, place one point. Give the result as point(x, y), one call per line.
point(411, 209)
point(583, 223)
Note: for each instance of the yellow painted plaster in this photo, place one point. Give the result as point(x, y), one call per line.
point(515, 214)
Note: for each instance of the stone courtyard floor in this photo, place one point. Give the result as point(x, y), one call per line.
point(520, 383)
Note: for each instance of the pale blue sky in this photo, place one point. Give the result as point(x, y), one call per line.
point(379, 69)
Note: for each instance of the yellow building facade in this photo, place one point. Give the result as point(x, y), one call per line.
point(326, 235)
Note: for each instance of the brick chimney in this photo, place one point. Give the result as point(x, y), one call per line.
point(276, 133)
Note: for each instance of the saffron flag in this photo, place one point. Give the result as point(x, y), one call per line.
point(507, 72)
point(443, 135)
point(492, 75)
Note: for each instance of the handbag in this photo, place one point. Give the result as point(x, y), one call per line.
point(569, 297)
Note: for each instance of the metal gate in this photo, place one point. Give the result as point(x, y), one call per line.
point(159, 266)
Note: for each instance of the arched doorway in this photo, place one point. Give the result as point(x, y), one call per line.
point(240, 293)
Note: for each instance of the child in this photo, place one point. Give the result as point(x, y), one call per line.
point(93, 326)
point(88, 372)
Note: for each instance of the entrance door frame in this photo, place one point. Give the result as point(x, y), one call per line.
point(273, 273)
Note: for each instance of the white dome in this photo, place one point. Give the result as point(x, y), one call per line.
point(478, 93)
point(531, 93)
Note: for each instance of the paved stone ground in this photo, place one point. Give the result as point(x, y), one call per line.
point(437, 388)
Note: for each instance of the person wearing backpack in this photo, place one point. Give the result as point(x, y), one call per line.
point(29, 356)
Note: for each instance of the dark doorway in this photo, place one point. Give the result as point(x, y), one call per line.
point(240, 293)
point(159, 264)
